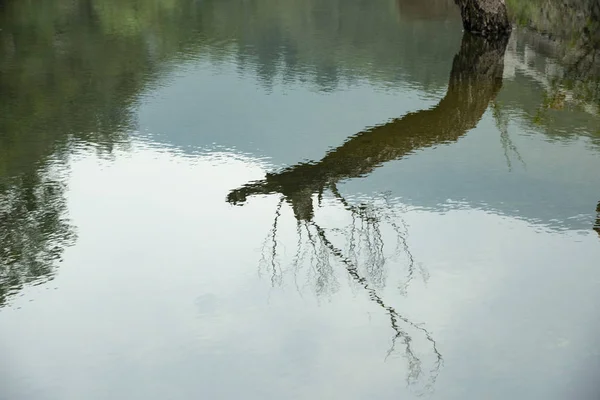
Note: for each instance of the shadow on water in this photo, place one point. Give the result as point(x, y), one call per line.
point(475, 79)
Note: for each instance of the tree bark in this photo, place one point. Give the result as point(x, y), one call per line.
point(484, 17)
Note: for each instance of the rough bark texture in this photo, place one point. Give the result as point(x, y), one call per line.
point(475, 79)
point(485, 17)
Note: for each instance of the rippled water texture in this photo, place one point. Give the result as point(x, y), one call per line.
point(292, 200)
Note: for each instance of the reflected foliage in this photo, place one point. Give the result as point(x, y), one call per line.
point(64, 79)
point(574, 20)
point(573, 27)
point(475, 79)
point(328, 44)
point(100, 55)
point(34, 230)
point(71, 73)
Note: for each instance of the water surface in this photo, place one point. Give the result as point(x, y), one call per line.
point(291, 199)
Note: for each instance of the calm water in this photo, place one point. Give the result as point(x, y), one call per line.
point(291, 200)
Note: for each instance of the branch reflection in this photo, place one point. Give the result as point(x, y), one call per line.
point(475, 79)
point(597, 224)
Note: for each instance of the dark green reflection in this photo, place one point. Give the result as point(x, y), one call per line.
point(70, 76)
point(63, 78)
point(71, 73)
point(34, 230)
point(574, 27)
point(74, 70)
point(63, 83)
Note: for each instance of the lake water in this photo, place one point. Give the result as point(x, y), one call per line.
point(290, 199)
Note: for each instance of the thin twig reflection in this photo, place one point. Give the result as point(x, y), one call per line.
point(475, 79)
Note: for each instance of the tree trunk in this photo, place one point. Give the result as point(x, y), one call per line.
point(484, 17)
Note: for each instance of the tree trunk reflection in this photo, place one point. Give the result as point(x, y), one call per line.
point(475, 79)
point(597, 225)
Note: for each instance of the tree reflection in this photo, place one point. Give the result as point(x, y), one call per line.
point(508, 146)
point(475, 79)
point(64, 83)
point(597, 224)
point(34, 230)
point(574, 27)
point(71, 73)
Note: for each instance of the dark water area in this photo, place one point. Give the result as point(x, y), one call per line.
point(296, 200)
